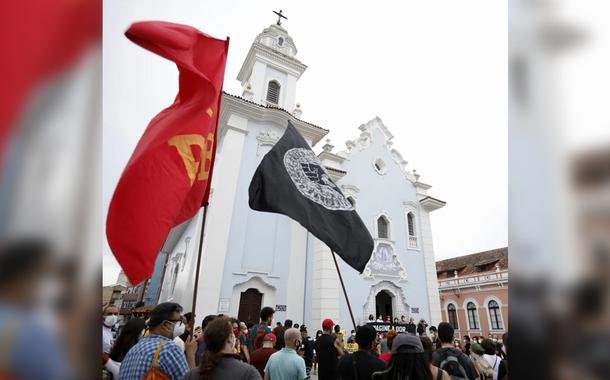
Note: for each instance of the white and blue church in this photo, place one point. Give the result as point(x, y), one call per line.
point(253, 259)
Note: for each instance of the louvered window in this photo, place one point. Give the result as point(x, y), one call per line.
point(273, 92)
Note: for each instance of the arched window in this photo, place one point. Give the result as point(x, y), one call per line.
point(273, 92)
point(411, 223)
point(494, 315)
point(452, 314)
point(473, 322)
point(383, 228)
point(352, 201)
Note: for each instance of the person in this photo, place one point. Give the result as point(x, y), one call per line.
point(219, 360)
point(164, 326)
point(437, 373)
point(279, 333)
point(296, 326)
point(421, 327)
point(408, 360)
point(286, 364)
point(450, 359)
point(395, 320)
point(388, 319)
point(189, 319)
point(403, 321)
point(467, 345)
point(242, 338)
point(328, 352)
point(110, 317)
point(129, 337)
point(491, 357)
point(200, 341)
point(379, 319)
point(260, 357)
point(306, 350)
point(352, 337)
point(480, 364)
point(371, 318)
point(181, 330)
point(503, 370)
point(386, 356)
point(315, 355)
point(362, 363)
point(266, 318)
point(411, 328)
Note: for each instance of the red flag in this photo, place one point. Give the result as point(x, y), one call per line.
point(167, 178)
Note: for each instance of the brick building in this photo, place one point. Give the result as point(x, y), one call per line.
point(473, 291)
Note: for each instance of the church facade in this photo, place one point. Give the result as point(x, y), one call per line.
point(253, 259)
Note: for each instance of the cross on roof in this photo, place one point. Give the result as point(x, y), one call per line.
point(280, 16)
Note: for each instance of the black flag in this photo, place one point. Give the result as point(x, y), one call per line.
point(290, 180)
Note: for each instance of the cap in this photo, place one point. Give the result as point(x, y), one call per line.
point(407, 343)
point(270, 337)
point(365, 335)
point(328, 324)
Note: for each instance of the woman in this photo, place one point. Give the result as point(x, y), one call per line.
point(219, 360)
point(386, 356)
point(408, 361)
point(437, 373)
point(130, 335)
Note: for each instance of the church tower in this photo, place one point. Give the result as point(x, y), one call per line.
point(270, 71)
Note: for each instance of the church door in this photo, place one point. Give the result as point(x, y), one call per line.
point(383, 304)
point(250, 305)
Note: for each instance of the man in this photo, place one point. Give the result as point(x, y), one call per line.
point(260, 357)
point(403, 321)
point(200, 341)
point(411, 327)
point(165, 324)
point(467, 345)
point(110, 317)
point(491, 357)
point(306, 349)
point(328, 352)
point(286, 364)
point(362, 361)
point(279, 332)
point(352, 337)
point(445, 335)
point(266, 320)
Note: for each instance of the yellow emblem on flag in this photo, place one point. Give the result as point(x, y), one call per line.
point(209, 112)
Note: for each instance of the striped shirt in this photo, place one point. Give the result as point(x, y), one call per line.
point(172, 360)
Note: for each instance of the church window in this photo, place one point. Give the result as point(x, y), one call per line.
point(380, 166)
point(383, 228)
point(273, 92)
point(352, 201)
point(411, 223)
point(473, 322)
point(494, 315)
point(452, 315)
point(280, 41)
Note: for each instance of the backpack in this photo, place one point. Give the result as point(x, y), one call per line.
point(452, 366)
point(487, 371)
point(154, 372)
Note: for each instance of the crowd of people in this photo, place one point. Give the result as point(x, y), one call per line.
point(168, 345)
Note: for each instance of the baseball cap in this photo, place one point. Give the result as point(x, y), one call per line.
point(328, 323)
point(365, 335)
point(407, 343)
point(270, 337)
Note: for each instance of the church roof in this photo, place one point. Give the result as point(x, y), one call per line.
point(473, 263)
point(277, 108)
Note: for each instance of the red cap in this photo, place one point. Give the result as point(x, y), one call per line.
point(269, 337)
point(328, 324)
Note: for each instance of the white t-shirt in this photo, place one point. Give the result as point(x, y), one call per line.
point(107, 339)
point(179, 342)
point(494, 362)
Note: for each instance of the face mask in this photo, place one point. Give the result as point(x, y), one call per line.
point(110, 320)
point(179, 328)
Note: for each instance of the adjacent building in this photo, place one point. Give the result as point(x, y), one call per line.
point(474, 293)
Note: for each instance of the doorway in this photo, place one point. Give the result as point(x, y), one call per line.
point(250, 305)
point(383, 305)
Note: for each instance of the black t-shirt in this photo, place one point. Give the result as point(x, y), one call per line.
point(439, 355)
point(366, 364)
point(307, 348)
point(327, 357)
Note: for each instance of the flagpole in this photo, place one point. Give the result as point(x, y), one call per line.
point(344, 292)
point(203, 219)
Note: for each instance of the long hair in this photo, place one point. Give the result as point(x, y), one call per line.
point(216, 335)
point(128, 338)
point(405, 366)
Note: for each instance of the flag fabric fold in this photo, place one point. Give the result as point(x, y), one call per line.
point(291, 180)
point(167, 179)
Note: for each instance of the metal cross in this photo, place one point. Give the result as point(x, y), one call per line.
point(280, 16)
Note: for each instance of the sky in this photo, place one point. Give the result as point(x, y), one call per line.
point(435, 72)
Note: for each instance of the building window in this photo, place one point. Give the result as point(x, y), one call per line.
point(411, 223)
point(383, 228)
point(473, 322)
point(452, 315)
point(380, 166)
point(273, 92)
point(280, 41)
point(494, 315)
point(352, 201)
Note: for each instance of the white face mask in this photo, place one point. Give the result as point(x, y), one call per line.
point(111, 320)
point(179, 328)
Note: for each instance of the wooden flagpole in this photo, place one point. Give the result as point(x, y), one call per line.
point(203, 219)
point(344, 292)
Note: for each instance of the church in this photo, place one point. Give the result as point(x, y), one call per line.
point(254, 259)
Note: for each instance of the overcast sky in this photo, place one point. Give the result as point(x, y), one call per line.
point(435, 72)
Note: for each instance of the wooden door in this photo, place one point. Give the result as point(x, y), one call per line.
point(250, 305)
